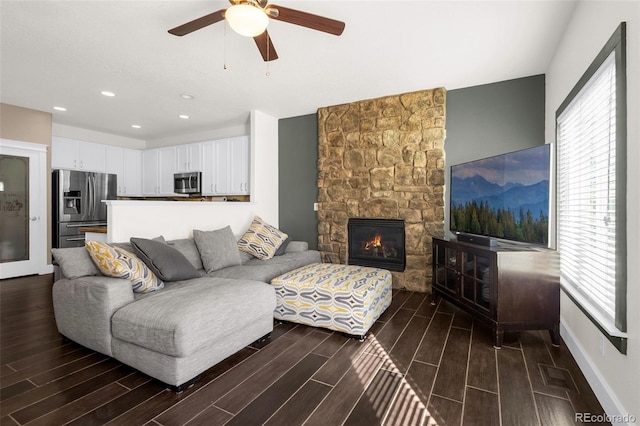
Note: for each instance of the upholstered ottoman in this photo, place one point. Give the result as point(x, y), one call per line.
point(343, 298)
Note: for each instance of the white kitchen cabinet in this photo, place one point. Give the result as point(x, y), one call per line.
point(189, 158)
point(126, 163)
point(158, 167)
point(216, 170)
point(166, 169)
point(115, 164)
point(72, 154)
point(132, 172)
point(239, 165)
point(150, 184)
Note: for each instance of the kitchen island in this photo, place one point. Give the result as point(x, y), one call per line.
point(94, 233)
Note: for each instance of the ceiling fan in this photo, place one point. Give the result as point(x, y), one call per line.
point(251, 17)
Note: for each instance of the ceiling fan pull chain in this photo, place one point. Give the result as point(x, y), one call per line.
point(224, 46)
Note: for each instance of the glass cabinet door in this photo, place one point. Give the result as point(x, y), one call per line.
point(476, 280)
point(446, 263)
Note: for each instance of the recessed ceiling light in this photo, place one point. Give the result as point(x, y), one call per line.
point(136, 126)
point(185, 96)
point(184, 116)
point(58, 108)
point(107, 93)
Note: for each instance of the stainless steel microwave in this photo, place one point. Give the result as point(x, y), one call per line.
point(187, 183)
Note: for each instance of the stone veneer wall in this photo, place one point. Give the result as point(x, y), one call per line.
point(384, 158)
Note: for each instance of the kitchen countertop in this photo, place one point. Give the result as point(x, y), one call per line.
point(96, 229)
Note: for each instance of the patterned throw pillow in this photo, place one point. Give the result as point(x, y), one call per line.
point(119, 263)
point(261, 239)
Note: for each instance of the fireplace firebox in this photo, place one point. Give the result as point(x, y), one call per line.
point(377, 242)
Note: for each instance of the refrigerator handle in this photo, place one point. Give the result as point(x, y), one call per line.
point(91, 195)
point(87, 198)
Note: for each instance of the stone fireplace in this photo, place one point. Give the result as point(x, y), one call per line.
point(384, 159)
point(377, 242)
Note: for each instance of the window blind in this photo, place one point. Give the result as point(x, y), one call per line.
point(587, 191)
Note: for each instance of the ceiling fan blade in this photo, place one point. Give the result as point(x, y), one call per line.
point(196, 24)
point(309, 20)
point(265, 46)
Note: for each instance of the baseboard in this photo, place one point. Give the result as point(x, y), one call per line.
point(46, 269)
point(603, 392)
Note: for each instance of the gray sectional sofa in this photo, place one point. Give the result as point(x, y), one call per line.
point(175, 333)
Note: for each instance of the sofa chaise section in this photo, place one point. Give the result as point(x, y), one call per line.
point(177, 334)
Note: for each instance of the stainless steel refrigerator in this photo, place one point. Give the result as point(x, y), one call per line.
point(77, 202)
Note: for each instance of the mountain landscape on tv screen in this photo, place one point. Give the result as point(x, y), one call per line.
point(515, 205)
point(511, 196)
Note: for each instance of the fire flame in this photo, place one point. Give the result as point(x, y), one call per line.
point(374, 242)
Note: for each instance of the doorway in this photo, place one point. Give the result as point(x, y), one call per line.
point(23, 211)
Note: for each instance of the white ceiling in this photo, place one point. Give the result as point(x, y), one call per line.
point(63, 53)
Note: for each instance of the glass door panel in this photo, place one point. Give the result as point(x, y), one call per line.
point(14, 208)
point(483, 274)
point(468, 276)
point(476, 280)
point(445, 258)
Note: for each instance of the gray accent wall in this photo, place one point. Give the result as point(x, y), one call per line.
point(298, 177)
point(481, 121)
point(492, 119)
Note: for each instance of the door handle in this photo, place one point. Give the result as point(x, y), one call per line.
point(34, 218)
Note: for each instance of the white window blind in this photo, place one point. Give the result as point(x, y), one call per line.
point(587, 192)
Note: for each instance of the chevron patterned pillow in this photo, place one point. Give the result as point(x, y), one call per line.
point(116, 262)
point(261, 239)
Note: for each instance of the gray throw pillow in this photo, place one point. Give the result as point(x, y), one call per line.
point(218, 249)
point(74, 262)
point(283, 247)
point(188, 248)
point(165, 261)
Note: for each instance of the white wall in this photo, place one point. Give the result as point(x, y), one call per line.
point(614, 377)
point(177, 219)
point(78, 133)
point(200, 136)
point(87, 135)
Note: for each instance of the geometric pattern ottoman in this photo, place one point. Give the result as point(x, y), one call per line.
point(345, 298)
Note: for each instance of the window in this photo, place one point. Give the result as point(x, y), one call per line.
point(591, 144)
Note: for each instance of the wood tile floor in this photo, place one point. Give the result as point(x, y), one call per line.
point(420, 365)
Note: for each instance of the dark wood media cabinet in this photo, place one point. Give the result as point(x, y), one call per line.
point(508, 287)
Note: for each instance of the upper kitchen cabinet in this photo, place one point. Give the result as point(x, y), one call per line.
point(73, 154)
point(158, 167)
point(225, 168)
point(189, 158)
point(126, 163)
point(239, 165)
point(216, 170)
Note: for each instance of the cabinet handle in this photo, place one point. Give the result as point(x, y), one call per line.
point(125, 189)
point(75, 163)
point(81, 164)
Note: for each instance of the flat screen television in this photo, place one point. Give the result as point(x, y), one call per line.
point(504, 197)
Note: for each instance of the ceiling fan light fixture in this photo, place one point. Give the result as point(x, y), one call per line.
point(247, 20)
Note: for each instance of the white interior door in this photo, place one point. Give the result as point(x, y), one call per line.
point(23, 213)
